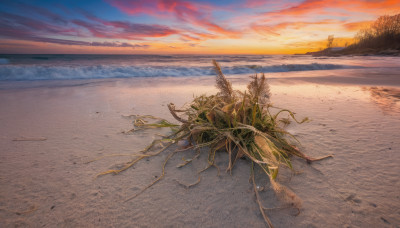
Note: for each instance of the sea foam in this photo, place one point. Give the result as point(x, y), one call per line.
point(4, 61)
point(10, 72)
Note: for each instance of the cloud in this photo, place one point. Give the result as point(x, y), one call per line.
point(42, 12)
point(356, 26)
point(265, 30)
point(190, 38)
point(274, 30)
point(193, 13)
point(302, 8)
point(117, 44)
point(300, 24)
point(320, 6)
point(83, 43)
point(265, 4)
point(254, 3)
point(196, 36)
point(124, 30)
point(23, 28)
point(193, 45)
point(136, 6)
point(187, 23)
point(16, 22)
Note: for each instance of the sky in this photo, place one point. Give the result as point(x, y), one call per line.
point(183, 27)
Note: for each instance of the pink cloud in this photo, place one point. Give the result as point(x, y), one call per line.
point(254, 3)
point(24, 28)
point(192, 13)
point(15, 24)
point(265, 30)
point(319, 6)
point(124, 30)
point(135, 7)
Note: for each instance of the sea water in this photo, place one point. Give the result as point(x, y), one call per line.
point(58, 66)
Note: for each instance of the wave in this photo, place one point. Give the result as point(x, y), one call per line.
point(4, 61)
point(41, 72)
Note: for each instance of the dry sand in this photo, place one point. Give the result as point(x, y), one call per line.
point(45, 181)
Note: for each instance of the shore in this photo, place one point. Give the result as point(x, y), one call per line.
point(356, 52)
point(51, 129)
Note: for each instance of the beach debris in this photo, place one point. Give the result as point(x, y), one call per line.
point(31, 209)
point(385, 221)
point(244, 124)
point(30, 139)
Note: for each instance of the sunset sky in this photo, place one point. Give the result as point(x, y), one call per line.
point(183, 27)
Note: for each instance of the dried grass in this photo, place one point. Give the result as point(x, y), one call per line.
point(240, 123)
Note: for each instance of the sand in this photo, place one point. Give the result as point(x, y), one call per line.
point(50, 129)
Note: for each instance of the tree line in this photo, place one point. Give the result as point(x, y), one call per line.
point(384, 33)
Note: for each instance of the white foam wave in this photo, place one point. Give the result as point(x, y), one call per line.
point(40, 72)
point(4, 61)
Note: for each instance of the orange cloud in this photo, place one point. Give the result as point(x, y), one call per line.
point(264, 30)
point(193, 13)
point(190, 38)
point(299, 25)
point(312, 6)
point(275, 29)
point(302, 8)
point(356, 26)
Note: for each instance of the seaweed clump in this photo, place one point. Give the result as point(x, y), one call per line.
point(240, 123)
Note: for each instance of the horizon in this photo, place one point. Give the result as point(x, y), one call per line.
point(167, 54)
point(176, 27)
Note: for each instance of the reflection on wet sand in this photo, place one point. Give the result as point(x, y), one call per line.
point(388, 99)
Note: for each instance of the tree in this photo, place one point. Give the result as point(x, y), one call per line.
point(330, 41)
point(382, 33)
point(386, 25)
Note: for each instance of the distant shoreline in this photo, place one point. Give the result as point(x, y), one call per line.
point(358, 52)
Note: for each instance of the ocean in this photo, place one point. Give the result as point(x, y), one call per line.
point(66, 66)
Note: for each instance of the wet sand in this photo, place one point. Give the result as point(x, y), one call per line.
point(47, 183)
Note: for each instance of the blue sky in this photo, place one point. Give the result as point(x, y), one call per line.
point(179, 26)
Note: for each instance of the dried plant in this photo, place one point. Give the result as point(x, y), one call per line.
point(259, 90)
point(224, 86)
point(242, 124)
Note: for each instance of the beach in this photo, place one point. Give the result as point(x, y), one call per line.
point(52, 129)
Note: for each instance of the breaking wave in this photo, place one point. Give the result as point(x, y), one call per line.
point(10, 72)
point(4, 61)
